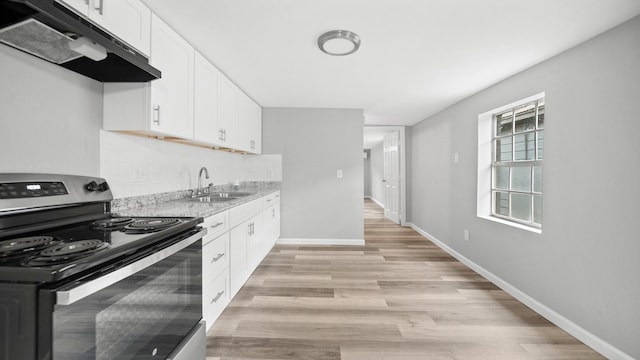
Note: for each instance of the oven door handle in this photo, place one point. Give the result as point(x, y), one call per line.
point(82, 290)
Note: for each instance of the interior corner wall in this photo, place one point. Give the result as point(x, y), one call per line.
point(50, 117)
point(315, 144)
point(584, 266)
point(377, 173)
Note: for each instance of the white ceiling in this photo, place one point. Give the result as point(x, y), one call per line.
point(416, 58)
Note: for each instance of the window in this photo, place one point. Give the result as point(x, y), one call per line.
point(518, 150)
point(510, 156)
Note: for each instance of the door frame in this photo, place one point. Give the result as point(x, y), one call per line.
point(403, 167)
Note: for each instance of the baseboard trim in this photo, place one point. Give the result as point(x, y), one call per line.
point(591, 340)
point(290, 241)
point(376, 201)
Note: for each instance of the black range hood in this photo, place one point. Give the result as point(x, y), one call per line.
point(44, 28)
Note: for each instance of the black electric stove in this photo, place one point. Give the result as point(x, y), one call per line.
point(59, 252)
point(62, 252)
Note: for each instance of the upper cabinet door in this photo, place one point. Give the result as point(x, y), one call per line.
point(129, 20)
point(79, 6)
point(249, 125)
point(255, 143)
point(228, 112)
point(206, 124)
point(172, 95)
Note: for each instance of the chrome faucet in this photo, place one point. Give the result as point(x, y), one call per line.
point(206, 175)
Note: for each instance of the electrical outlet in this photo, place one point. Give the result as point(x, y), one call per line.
point(339, 174)
point(456, 157)
point(466, 235)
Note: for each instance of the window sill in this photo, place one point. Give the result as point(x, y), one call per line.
point(512, 224)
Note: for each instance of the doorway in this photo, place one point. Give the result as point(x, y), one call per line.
point(385, 169)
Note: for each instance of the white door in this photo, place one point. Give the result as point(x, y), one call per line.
point(391, 177)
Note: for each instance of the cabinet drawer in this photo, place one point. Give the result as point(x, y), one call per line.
point(215, 257)
point(215, 297)
point(216, 225)
point(271, 199)
point(242, 212)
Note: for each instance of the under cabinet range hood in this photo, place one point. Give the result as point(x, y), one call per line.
point(48, 30)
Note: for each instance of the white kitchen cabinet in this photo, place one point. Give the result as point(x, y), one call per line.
point(255, 247)
point(244, 220)
point(162, 107)
point(128, 20)
point(207, 128)
point(238, 257)
point(79, 6)
point(236, 242)
point(242, 242)
point(249, 125)
point(228, 113)
point(215, 266)
point(215, 297)
point(271, 221)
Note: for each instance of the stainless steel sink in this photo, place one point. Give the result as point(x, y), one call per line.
point(234, 194)
point(221, 196)
point(212, 199)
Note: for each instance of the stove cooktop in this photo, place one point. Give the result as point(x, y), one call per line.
point(54, 254)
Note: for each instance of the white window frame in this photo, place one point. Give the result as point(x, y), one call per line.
point(485, 164)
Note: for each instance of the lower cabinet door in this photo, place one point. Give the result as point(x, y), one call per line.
point(215, 297)
point(238, 257)
point(255, 251)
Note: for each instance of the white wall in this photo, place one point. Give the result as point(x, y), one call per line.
point(314, 144)
point(49, 117)
point(377, 173)
point(140, 166)
point(585, 264)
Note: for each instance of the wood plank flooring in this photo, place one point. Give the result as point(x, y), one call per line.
point(399, 297)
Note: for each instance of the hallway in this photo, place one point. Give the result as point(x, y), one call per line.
point(399, 297)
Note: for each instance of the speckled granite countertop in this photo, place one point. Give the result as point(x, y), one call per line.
point(177, 203)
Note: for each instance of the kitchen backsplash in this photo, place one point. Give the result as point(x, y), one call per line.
point(136, 166)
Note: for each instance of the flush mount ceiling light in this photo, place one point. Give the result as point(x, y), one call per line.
point(339, 42)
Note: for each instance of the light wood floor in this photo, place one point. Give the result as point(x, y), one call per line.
point(397, 298)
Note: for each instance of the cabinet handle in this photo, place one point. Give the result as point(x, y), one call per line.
point(217, 258)
point(156, 114)
point(100, 6)
point(215, 299)
point(216, 225)
point(224, 134)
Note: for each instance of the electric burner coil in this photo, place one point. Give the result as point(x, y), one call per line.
point(64, 252)
point(142, 226)
point(16, 249)
point(111, 223)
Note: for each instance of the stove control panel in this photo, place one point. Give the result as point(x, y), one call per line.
point(18, 190)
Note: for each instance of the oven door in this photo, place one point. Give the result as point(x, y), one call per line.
point(140, 310)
